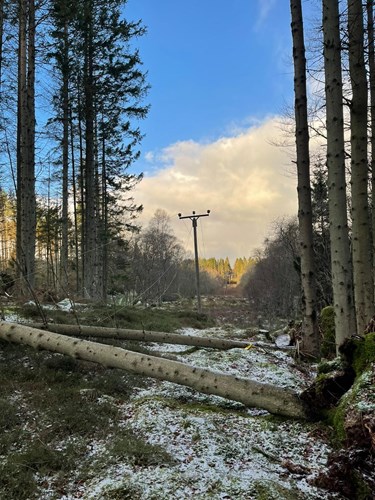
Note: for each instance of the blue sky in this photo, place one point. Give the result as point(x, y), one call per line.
point(212, 65)
point(221, 75)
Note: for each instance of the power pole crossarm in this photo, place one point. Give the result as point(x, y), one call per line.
point(194, 219)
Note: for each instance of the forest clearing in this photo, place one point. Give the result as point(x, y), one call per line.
point(75, 429)
point(130, 367)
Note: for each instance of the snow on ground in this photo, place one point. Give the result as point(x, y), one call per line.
point(220, 449)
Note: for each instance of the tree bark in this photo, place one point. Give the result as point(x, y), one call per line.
point(311, 337)
point(342, 273)
point(64, 250)
point(90, 279)
point(26, 203)
point(371, 65)
point(276, 400)
point(361, 246)
point(1, 45)
point(142, 336)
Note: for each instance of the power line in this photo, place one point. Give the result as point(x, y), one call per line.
point(194, 219)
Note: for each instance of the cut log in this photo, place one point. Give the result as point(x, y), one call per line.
point(276, 400)
point(142, 336)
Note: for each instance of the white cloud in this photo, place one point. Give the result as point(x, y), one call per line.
point(244, 180)
point(265, 7)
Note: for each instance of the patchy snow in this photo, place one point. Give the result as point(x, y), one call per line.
point(216, 332)
point(283, 340)
point(219, 454)
point(66, 305)
point(221, 449)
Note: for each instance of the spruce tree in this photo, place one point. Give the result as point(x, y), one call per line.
point(311, 339)
point(104, 93)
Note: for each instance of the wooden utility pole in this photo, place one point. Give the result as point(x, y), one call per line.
point(194, 219)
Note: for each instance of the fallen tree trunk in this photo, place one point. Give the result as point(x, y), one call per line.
point(274, 399)
point(142, 336)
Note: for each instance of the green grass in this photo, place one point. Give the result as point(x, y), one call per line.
point(138, 452)
point(125, 317)
point(51, 410)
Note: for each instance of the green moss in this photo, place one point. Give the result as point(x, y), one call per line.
point(360, 398)
point(138, 452)
point(17, 482)
point(124, 491)
point(138, 318)
point(364, 353)
point(362, 489)
point(337, 418)
point(327, 323)
point(330, 366)
point(270, 490)
point(8, 415)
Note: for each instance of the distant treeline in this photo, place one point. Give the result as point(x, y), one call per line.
point(222, 268)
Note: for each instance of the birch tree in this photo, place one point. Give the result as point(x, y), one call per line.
point(311, 340)
point(339, 236)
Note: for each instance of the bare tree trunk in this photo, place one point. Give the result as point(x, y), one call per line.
point(361, 241)
point(142, 336)
point(104, 223)
point(276, 400)
point(21, 139)
point(75, 206)
point(311, 337)
point(342, 283)
point(91, 289)
point(26, 205)
point(371, 64)
point(1, 44)
point(30, 209)
point(63, 274)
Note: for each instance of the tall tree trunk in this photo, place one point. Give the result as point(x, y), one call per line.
point(75, 206)
point(311, 339)
point(1, 44)
point(361, 241)
point(371, 64)
point(342, 283)
point(82, 190)
point(90, 257)
point(276, 400)
point(104, 229)
point(26, 205)
point(21, 147)
point(30, 200)
point(63, 274)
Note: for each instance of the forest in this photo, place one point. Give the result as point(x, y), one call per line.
point(67, 216)
point(72, 99)
point(285, 342)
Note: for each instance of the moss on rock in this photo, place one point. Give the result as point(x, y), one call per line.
point(354, 422)
point(364, 354)
point(327, 323)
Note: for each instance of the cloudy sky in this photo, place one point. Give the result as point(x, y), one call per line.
point(221, 74)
